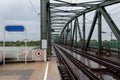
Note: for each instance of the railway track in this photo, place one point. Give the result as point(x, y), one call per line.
point(86, 70)
point(66, 69)
point(105, 62)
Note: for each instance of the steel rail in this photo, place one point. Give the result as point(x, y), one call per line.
point(80, 65)
point(104, 62)
point(110, 61)
point(61, 59)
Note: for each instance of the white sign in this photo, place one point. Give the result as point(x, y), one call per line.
point(44, 44)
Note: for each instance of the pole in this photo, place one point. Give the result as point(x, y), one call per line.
point(4, 47)
point(44, 24)
point(111, 36)
point(84, 33)
point(25, 46)
point(99, 33)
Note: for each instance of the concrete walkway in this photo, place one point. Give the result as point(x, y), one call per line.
point(30, 71)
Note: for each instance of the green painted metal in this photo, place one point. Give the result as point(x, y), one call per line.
point(67, 34)
point(73, 5)
point(44, 19)
point(76, 33)
point(80, 35)
point(68, 19)
point(91, 30)
point(84, 33)
point(111, 23)
point(73, 34)
point(99, 33)
point(105, 3)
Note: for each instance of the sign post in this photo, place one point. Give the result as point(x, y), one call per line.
point(26, 51)
point(11, 28)
point(4, 48)
point(44, 47)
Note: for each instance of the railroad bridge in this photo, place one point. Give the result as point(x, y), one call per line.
point(81, 39)
point(85, 35)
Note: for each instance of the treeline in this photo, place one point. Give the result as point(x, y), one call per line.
point(20, 43)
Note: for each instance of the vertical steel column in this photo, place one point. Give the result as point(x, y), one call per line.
point(44, 20)
point(80, 35)
point(73, 33)
point(63, 38)
point(99, 33)
point(49, 29)
point(66, 34)
point(83, 31)
point(76, 34)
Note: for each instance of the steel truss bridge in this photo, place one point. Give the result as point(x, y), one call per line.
point(71, 24)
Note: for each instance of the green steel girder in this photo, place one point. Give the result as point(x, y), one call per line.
point(66, 11)
point(59, 19)
point(84, 2)
point(61, 16)
point(58, 22)
point(76, 34)
point(87, 8)
point(83, 31)
point(54, 26)
point(63, 11)
point(91, 31)
point(57, 29)
point(105, 3)
point(71, 31)
point(44, 18)
point(111, 23)
point(62, 1)
point(99, 32)
point(66, 34)
point(73, 34)
point(79, 31)
point(57, 25)
point(73, 5)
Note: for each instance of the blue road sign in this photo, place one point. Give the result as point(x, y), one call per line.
point(13, 28)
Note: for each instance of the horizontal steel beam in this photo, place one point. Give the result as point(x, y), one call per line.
point(61, 15)
point(53, 12)
point(57, 22)
point(59, 19)
point(66, 11)
point(72, 5)
point(83, 2)
point(57, 26)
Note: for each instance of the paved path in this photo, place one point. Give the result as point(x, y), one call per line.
point(29, 71)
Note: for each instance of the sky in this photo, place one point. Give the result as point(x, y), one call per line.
point(20, 12)
point(26, 12)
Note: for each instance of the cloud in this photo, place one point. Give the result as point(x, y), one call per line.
point(20, 12)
